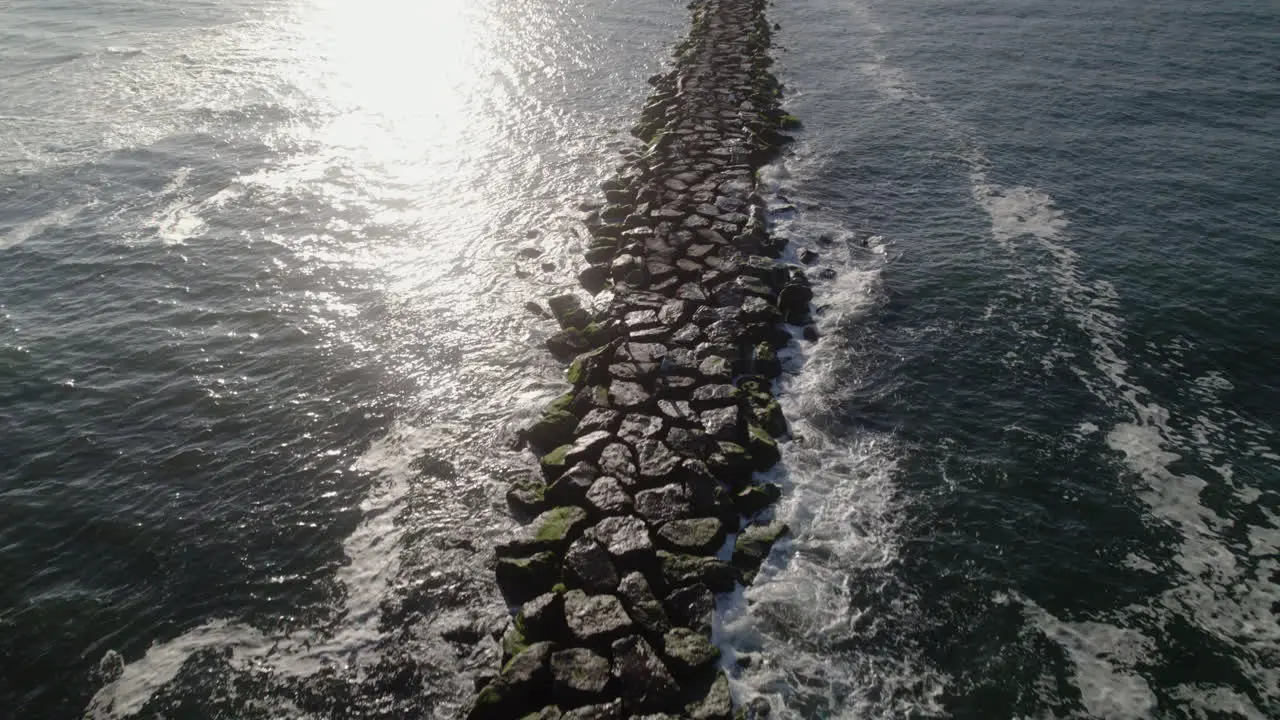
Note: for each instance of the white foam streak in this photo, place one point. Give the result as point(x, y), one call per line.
point(373, 554)
point(1215, 591)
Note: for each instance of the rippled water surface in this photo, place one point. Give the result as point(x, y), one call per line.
point(263, 344)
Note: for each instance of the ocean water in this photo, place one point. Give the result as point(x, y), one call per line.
point(263, 348)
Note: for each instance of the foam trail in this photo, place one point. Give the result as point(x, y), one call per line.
point(373, 553)
point(34, 227)
point(1229, 596)
point(798, 622)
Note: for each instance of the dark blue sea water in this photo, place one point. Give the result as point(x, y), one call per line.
point(263, 346)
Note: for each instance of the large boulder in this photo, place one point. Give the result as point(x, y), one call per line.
point(579, 677)
point(680, 569)
point(607, 497)
point(692, 607)
point(643, 605)
point(587, 565)
point(689, 652)
point(595, 620)
point(664, 504)
point(716, 703)
point(552, 530)
point(752, 548)
point(519, 690)
point(626, 539)
point(700, 536)
point(524, 578)
point(643, 680)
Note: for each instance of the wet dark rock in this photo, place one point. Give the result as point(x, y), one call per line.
point(627, 395)
point(752, 548)
point(723, 423)
point(769, 416)
point(713, 499)
point(571, 487)
point(552, 429)
point(535, 309)
point(673, 312)
point(689, 652)
point(597, 420)
point(690, 442)
point(595, 397)
point(640, 319)
point(595, 620)
point(713, 396)
point(807, 256)
point(642, 352)
point(716, 369)
point(542, 618)
point(607, 497)
point(615, 213)
point(587, 448)
point(524, 578)
point(763, 448)
point(757, 708)
point(715, 704)
point(617, 460)
point(678, 410)
point(700, 536)
point(527, 497)
point(692, 607)
point(636, 428)
point(587, 565)
point(810, 333)
point(680, 569)
point(764, 361)
point(552, 530)
point(754, 498)
point(523, 682)
point(626, 539)
point(579, 677)
point(590, 368)
point(663, 504)
point(635, 372)
point(642, 605)
point(568, 311)
point(594, 278)
point(794, 299)
point(603, 711)
point(657, 461)
point(567, 344)
point(641, 677)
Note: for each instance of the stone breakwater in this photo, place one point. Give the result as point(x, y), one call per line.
point(648, 505)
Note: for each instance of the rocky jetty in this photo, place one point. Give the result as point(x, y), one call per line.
point(648, 505)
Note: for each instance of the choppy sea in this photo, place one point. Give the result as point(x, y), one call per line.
point(263, 348)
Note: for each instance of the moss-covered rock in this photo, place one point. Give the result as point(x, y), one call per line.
point(568, 311)
point(764, 449)
point(731, 464)
point(520, 689)
point(524, 578)
point(769, 416)
point(567, 344)
point(681, 569)
point(752, 548)
point(754, 498)
point(764, 360)
point(555, 462)
point(716, 702)
point(527, 497)
point(553, 428)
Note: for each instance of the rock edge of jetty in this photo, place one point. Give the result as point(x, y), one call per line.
point(649, 505)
